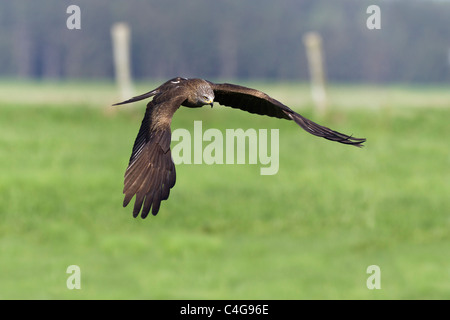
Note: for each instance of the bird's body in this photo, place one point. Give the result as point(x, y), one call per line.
point(151, 172)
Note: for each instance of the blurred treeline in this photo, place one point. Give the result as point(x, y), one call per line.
point(228, 39)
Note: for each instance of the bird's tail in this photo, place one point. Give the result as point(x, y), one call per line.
point(138, 98)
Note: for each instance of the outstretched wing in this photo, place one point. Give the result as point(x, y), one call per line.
point(151, 172)
point(255, 101)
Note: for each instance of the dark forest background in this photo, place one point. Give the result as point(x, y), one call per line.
point(228, 39)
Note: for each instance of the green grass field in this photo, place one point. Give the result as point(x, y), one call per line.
point(226, 232)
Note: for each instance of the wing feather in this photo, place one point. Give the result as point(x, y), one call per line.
point(255, 101)
point(247, 99)
point(151, 172)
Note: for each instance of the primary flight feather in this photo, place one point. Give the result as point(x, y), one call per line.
point(151, 172)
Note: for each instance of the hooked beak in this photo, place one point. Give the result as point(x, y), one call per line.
point(210, 102)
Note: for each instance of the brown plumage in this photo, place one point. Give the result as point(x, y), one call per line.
point(151, 172)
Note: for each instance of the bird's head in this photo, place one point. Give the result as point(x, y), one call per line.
point(205, 95)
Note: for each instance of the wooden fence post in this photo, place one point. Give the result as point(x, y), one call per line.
point(314, 52)
point(120, 33)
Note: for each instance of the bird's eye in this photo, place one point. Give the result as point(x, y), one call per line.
point(205, 98)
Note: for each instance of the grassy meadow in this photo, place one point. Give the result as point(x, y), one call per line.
point(226, 232)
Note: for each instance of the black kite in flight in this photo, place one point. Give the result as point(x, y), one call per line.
point(151, 172)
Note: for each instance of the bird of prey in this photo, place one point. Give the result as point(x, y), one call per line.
point(151, 172)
